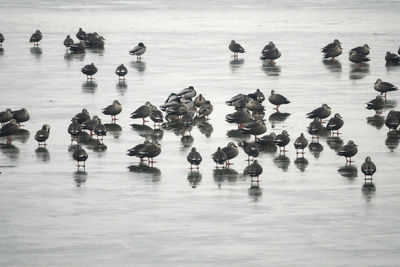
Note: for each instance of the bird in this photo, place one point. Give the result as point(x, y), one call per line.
point(1, 39)
point(194, 158)
point(68, 42)
point(282, 140)
point(89, 70)
point(315, 128)
point(6, 116)
point(231, 151)
point(257, 96)
point(113, 110)
point(82, 116)
point(332, 50)
point(94, 40)
point(335, 124)
point(74, 129)
point(321, 113)
point(236, 48)
point(42, 135)
point(255, 128)
point(392, 120)
point(21, 115)
point(156, 116)
point(121, 71)
point(254, 106)
point(271, 54)
point(251, 149)
point(91, 124)
point(81, 35)
point(255, 170)
point(376, 104)
point(150, 151)
point(9, 129)
point(187, 93)
point(219, 157)
point(100, 131)
point(300, 143)
point(205, 110)
point(77, 48)
point(138, 51)
point(384, 87)
point(357, 58)
point(142, 112)
point(277, 100)
point(80, 155)
point(35, 38)
point(368, 168)
point(348, 151)
point(267, 140)
point(235, 99)
point(392, 58)
point(134, 151)
point(362, 50)
point(267, 47)
point(240, 117)
point(186, 119)
point(199, 101)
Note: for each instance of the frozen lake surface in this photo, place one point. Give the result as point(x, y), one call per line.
point(302, 214)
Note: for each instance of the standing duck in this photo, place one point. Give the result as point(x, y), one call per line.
point(231, 151)
point(100, 131)
point(121, 71)
point(194, 158)
point(321, 113)
point(236, 48)
point(134, 151)
point(68, 42)
point(300, 143)
point(332, 50)
point(254, 128)
point(257, 96)
point(82, 116)
point(255, 170)
point(315, 128)
point(376, 104)
point(81, 35)
point(187, 93)
point(251, 149)
point(80, 155)
point(156, 116)
point(335, 123)
point(74, 129)
point(392, 120)
point(91, 124)
point(77, 48)
point(267, 47)
point(357, 58)
point(6, 116)
point(89, 70)
point(113, 110)
point(199, 101)
point(9, 129)
point(219, 157)
point(267, 140)
point(277, 100)
point(35, 38)
point(142, 112)
point(42, 135)
point(271, 54)
point(21, 115)
point(205, 110)
point(361, 50)
point(384, 87)
point(1, 39)
point(348, 151)
point(282, 140)
point(368, 168)
point(241, 116)
point(150, 151)
point(392, 58)
point(138, 51)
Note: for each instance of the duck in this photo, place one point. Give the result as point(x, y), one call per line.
point(368, 168)
point(392, 120)
point(205, 110)
point(257, 96)
point(335, 123)
point(236, 48)
point(384, 87)
point(68, 42)
point(94, 40)
point(194, 158)
point(80, 155)
point(254, 106)
point(150, 151)
point(121, 71)
point(100, 131)
point(187, 119)
point(77, 48)
point(357, 58)
point(6, 116)
point(277, 100)
point(255, 170)
point(271, 54)
point(187, 93)
point(332, 50)
point(113, 110)
point(35, 38)
point(361, 50)
point(235, 98)
point(134, 151)
point(219, 157)
point(199, 101)
point(315, 128)
point(81, 35)
point(156, 116)
point(254, 128)
point(391, 58)
point(9, 129)
point(142, 112)
point(240, 117)
point(251, 149)
point(376, 104)
point(281, 140)
point(231, 151)
point(267, 140)
point(91, 124)
point(74, 129)
point(267, 47)
point(89, 70)
point(21, 115)
point(300, 143)
point(42, 135)
point(138, 51)
point(83, 116)
point(1, 39)
point(348, 151)
point(321, 113)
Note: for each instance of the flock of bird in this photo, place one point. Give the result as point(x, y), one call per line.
point(185, 109)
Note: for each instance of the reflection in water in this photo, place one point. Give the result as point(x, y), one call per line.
point(348, 171)
point(121, 86)
point(301, 163)
point(114, 129)
point(368, 191)
point(42, 153)
point(237, 134)
point(392, 142)
point(278, 117)
point(1, 51)
point(315, 149)
point(89, 87)
point(37, 51)
point(236, 63)
point(139, 66)
point(194, 178)
point(282, 162)
point(389, 104)
point(205, 128)
point(255, 191)
point(22, 135)
point(333, 66)
point(270, 148)
point(187, 141)
point(80, 177)
point(359, 73)
point(74, 56)
point(324, 132)
point(335, 143)
point(95, 145)
point(154, 172)
point(270, 69)
point(392, 66)
point(99, 50)
point(377, 121)
point(10, 151)
point(147, 132)
point(220, 175)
